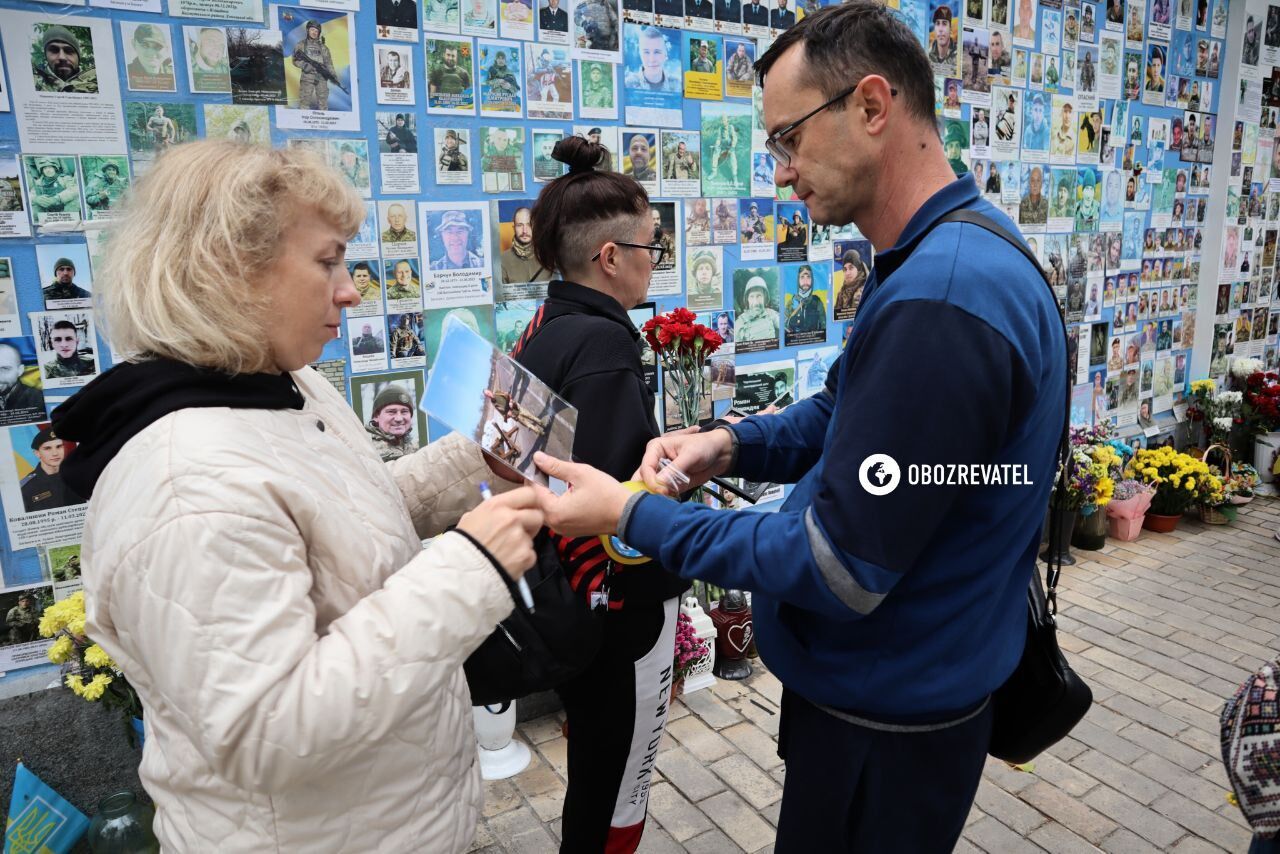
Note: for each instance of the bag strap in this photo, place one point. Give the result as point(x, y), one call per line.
point(1063, 456)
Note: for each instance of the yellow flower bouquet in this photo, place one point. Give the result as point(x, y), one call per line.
point(1180, 480)
point(90, 672)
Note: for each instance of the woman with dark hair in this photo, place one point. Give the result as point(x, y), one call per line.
point(595, 229)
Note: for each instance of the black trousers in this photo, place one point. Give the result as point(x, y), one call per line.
point(851, 788)
point(617, 711)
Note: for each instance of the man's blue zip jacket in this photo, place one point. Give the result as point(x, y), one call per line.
point(908, 607)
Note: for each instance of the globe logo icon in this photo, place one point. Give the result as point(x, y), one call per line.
point(879, 474)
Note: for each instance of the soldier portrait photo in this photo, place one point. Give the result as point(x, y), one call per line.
point(364, 275)
point(21, 394)
point(369, 341)
point(404, 335)
point(153, 128)
point(318, 73)
point(21, 610)
point(10, 186)
point(148, 56)
point(450, 85)
point(755, 301)
point(52, 188)
point(388, 406)
point(208, 70)
point(455, 240)
point(399, 223)
point(105, 177)
point(402, 280)
point(39, 470)
point(805, 307)
point(452, 155)
point(62, 59)
point(516, 260)
point(64, 268)
point(64, 353)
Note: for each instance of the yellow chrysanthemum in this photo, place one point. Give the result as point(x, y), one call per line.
point(61, 650)
point(76, 684)
point(96, 656)
point(96, 687)
point(76, 626)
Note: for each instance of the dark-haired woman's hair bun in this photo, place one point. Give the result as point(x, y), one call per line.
point(579, 154)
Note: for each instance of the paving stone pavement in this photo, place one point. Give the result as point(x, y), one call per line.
point(1163, 629)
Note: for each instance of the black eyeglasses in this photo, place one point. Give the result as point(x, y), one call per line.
point(780, 150)
point(656, 250)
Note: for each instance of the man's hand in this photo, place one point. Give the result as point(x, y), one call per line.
point(592, 505)
point(701, 456)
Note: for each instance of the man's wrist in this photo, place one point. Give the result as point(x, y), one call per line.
point(728, 458)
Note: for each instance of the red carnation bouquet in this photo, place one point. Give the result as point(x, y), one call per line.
point(683, 345)
point(1262, 401)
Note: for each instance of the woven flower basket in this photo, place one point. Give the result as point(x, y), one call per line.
point(1214, 515)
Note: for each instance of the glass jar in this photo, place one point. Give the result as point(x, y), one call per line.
point(123, 826)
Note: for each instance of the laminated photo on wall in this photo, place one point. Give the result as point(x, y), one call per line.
point(395, 73)
point(148, 57)
point(63, 75)
point(821, 247)
point(322, 92)
point(669, 234)
point(367, 277)
point(155, 127)
point(479, 17)
point(726, 150)
point(548, 82)
point(20, 643)
point(724, 221)
point(104, 179)
point(405, 332)
point(652, 75)
point(699, 15)
point(606, 136)
point(21, 387)
point(1006, 125)
point(813, 366)
point(594, 30)
point(804, 309)
point(39, 507)
point(452, 155)
point(10, 322)
point(705, 286)
point(638, 11)
point(242, 123)
point(553, 22)
point(944, 37)
point(1033, 208)
point(703, 66)
point(493, 401)
point(697, 222)
point(367, 343)
point(65, 276)
point(854, 259)
point(14, 221)
point(53, 189)
point(502, 159)
point(511, 319)
point(257, 66)
point(976, 48)
point(756, 229)
point(61, 563)
point(597, 90)
point(1110, 62)
point(792, 232)
point(398, 152)
point(450, 78)
point(364, 245)
point(764, 384)
point(66, 347)
point(387, 406)
point(516, 19)
point(398, 228)
point(441, 16)
point(458, 250)
point(738, 74)
point(500, 69)
point(640, 157)
point(681, 163)
point(1062, 151)
point(402, 284)
point(545, 167)
point(756, 302)
point(398, 20)
point(351, 158)
point(979, 137)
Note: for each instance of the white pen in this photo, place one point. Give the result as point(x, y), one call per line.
point(525, 593)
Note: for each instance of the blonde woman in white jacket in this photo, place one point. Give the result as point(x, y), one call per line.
point(250, 563)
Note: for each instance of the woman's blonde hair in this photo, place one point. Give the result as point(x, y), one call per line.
point(183, 278)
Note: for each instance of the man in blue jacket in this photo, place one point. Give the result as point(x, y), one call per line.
point(890, 589)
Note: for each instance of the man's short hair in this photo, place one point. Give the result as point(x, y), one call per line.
point(66, 324)
point(845, 43)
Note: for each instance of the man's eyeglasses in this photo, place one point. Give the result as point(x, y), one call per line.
point(656, 251)
point(782, 151)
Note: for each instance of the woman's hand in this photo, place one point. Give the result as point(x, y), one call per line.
point(505, 525)
point(592, 505)
point(701, 456)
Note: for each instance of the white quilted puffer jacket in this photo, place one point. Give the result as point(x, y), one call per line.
point(259, 576)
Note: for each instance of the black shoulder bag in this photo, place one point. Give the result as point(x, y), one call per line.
point(1044, 698)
